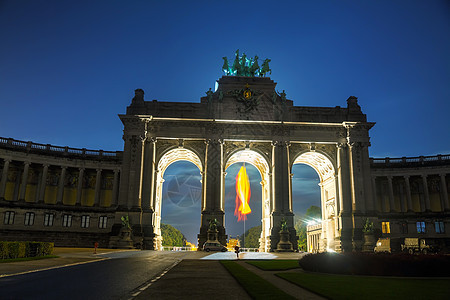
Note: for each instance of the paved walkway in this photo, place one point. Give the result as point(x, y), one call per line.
point(199, 275)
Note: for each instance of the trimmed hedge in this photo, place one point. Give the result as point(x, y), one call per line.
point(25, 249)
point(377, 264)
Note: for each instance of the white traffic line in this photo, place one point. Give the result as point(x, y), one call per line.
point(51, 268)
point(148, 284)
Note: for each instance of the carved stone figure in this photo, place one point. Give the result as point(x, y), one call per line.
point(265, 68)
point(225, 67)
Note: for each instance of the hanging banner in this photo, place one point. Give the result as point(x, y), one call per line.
point(242, 195)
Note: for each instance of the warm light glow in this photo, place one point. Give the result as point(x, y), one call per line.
point(242, 195)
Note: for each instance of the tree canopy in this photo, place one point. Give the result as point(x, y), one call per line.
point(172, 236)
point(251, 237)
point(313, 212)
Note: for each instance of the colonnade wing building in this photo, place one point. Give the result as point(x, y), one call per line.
point(76, 196)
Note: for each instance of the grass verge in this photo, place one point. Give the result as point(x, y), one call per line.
point(359, 287)
point(255, 286)
point(26, 258)
point(275, 264)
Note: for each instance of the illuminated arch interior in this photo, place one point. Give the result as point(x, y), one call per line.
point(257, 160)
point(318, 162)
point(166, 160)
point(176, 155)
point(326, 172)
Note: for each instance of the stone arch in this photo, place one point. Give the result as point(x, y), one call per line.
point(263, 166)
point(167, 158)
point(326, 170)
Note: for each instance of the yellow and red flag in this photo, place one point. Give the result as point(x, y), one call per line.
point(242, 195)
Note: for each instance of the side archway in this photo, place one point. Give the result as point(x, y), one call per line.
point(168, 158)
point(321, 237)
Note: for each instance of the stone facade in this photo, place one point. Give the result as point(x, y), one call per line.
point(244, 120)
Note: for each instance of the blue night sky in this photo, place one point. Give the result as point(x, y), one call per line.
point(67, 68)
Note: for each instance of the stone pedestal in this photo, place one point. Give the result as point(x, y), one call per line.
point(369, 243)
point(212, 236)
point(284, 245)
point(123, 240)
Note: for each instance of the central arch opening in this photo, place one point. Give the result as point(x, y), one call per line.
point(259, 220)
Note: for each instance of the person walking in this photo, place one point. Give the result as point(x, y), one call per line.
point(236, 250)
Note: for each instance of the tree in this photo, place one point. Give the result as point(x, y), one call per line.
point(251, 237)
point(172, 236)
point(313, 212)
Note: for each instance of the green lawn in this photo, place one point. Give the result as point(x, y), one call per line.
point(275, 264)
point(26, 258)
point(255, 286)
point(364, 287)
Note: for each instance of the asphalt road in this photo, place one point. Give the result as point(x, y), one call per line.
point(113, 278)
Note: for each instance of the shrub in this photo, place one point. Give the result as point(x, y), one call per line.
point(24, 249)
point(377, 264)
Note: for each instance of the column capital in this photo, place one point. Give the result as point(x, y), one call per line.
point(46, 165)
point(27, 163)
point(116, 171)
point(81, 169)
point(442, 175)
point(99, 170)
point(406, 176)
point(424, 176)
point(389, 177)
point(7, 160)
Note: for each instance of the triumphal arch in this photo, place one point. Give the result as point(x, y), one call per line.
point(246, 119)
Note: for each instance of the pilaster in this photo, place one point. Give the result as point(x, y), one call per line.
point(59, 198)
point(23, 184)
point(43, 184)
point(98, 186)
point(4, 178)
point(426, 193)
point(80, 186)
point(444, 193)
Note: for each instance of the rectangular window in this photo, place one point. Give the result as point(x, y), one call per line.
point(404, 227)
point(9, 217)
point(67, 220)
point(85, 221)
point(102, 222)
point(48, 219)
point(385, 228)
point(439, 226)
point(29, 219)
point(420, 227)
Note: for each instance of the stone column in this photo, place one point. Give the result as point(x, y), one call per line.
point(59, 198)
point(4, 178)
point(115, 189)
point(148, 174)
point(402, 197)
point(444, 193)
point(43, 184)
point(409, 206)
point(374, 191)
point(280, 173)
point(426, 194)
point(213, 174)
point(391, 195)
point(80, 186)
point(23, 184)
point(345, 203)
point(98, 186)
